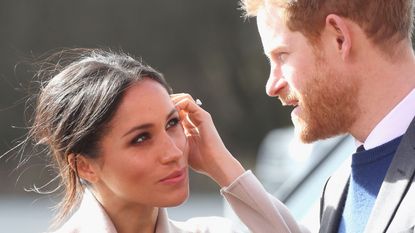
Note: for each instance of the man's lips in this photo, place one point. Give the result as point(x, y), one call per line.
point(286, 102)
point(175, 177)
point(288, 99)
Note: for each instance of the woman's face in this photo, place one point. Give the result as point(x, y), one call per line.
point(143, 155)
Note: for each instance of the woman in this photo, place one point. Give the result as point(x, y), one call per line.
point(122, 155)
point(114, 134)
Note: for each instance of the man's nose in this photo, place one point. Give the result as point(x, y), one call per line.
point(275, 83)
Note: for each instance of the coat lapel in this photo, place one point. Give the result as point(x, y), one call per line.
point(163, 224)
point(395, 185)
point(333, 198)
point(90, 217)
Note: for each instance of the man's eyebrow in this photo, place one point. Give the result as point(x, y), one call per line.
point(148, 125)
point(275, 49)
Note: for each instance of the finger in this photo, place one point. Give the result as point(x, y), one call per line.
point(185, 120)
point(188, 126)
point(180, 96)
point(195, 114)
point(187, 104)
point(191, 132)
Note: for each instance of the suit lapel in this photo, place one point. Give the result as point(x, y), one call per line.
point(334, 197)
point(395, 185)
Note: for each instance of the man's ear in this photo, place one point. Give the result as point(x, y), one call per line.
point(339, 34)
point(84, 167)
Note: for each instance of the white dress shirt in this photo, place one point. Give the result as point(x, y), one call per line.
point(394, 124)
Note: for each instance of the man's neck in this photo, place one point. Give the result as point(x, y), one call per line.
point(384, 84)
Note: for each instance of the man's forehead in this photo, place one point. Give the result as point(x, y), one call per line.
point(272, 28)
point(272, 16)
point(278, 3)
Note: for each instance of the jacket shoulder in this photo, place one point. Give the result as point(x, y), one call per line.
point(203, 224)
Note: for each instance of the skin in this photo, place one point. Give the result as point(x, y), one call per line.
point(324, 98)
point(352, 73)
point(207, 153)
point(145, 144)
point(335, 83)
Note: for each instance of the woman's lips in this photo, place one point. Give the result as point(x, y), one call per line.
point(175, 177)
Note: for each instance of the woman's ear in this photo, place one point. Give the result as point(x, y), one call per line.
point(84, 167)
point(339, 34)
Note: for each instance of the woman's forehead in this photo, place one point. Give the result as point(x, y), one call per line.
point(146, 101)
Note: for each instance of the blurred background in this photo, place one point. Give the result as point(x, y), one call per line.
point(203, 48)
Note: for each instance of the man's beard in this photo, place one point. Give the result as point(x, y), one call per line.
point(328, 104)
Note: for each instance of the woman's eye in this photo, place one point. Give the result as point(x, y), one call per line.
point(141, 138)
point(172, 122)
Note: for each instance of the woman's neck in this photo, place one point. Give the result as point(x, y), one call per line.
point(129, 217)
point(134, 220)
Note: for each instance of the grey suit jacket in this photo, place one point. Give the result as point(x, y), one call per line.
point(394, 209)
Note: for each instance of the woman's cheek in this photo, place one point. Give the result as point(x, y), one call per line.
point(186, 147)
point(182, 142)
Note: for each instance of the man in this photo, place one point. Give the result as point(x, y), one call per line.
point(347, 66)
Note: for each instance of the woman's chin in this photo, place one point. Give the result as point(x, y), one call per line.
point(176, 199)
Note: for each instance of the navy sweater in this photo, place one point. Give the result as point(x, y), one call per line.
point(368, 170)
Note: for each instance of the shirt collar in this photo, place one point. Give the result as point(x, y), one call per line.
point(393, 125)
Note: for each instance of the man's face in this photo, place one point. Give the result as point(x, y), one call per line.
point(324, 98)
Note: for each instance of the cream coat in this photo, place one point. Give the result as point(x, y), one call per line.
point(92, 218)
point(259, 211)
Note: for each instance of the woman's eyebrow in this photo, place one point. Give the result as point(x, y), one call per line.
point(138, 127)
point(172, 112)
point(148, 125)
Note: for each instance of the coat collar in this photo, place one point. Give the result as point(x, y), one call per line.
point(91, 217)
point(394, 187)
point(334, 198)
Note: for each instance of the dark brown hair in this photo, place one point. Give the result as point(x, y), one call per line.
point(80, 92)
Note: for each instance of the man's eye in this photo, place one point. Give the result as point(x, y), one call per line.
point(282, 56)
point(141, 138)
point(172, 122)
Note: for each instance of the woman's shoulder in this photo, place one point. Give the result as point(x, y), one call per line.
point(89, 217)
point(72, 225)
point(204, 224)
point(87, 224)
point(67, 228)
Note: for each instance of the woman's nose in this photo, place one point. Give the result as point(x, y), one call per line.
point(170, 150)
